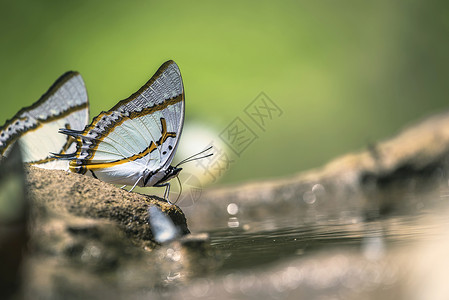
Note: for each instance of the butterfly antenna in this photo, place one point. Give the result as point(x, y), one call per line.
point(193, 157)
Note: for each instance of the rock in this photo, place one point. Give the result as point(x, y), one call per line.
point(90, 239)
point(78, 195)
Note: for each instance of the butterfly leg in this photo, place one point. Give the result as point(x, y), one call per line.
point(167, 190)
point(135, 184)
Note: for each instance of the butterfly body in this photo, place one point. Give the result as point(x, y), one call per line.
point(135, 141)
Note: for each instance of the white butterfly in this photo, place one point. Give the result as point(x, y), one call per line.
point(135, 141)
point(64, 105)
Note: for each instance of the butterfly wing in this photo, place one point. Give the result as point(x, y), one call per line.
point(36, 127)
point(137, 136)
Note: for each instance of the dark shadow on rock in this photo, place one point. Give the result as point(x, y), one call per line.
point(14, 209)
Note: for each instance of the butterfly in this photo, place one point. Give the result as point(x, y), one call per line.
point(65, 104)
point(133, 143)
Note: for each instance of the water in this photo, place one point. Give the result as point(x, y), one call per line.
point(335, 259)
point(342, 243)
point(250, 248)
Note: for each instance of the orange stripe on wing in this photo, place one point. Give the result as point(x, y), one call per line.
point(96, 166)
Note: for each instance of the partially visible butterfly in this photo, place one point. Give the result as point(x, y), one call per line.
point(64, 105)
point(135, 141)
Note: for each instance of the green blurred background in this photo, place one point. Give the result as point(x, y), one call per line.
point(345, 73)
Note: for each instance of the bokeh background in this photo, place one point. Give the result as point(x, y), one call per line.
point(344, 73)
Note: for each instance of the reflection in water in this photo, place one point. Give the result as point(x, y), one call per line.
point(233, 222)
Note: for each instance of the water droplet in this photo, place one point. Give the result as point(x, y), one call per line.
point(232, 209)
point(318, 189)
point(309, 197)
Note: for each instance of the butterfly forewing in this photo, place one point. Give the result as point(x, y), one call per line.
point(137, 136)
point(64, 105)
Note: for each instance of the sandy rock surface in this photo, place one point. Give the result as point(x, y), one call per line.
point(81, 196)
